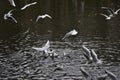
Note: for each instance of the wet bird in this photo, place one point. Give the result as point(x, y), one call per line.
point(106, 16)
point(12, 3)
point(9, 15)
point(44, 48)
point(95, 57)
point(87, 53)
point(43, 16)
point(72, 32)
point(84, 72)
point(27, 5)
point(111, 11)
point(111, 75)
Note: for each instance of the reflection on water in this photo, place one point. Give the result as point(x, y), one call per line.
point(83, 15)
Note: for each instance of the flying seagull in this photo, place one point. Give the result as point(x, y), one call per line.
point(87, 53)
point(106, 16)
point(12, 3)
point(9, 15)
point(73, 32)
point(43, 16)
point(44, 48)
point(27, 5)
point(95, 57)
point(111, 10)
point(111, 75)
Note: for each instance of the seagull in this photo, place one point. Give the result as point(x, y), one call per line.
point(111, 75)
point(106, 16)
point(44, 48)
point(43, 16)
point(27, 5)
point(12, 3)
point(95, 57)
point(9, 15)
point(72, 32)
point(111, 10)
point(84, 72)
point(87, 53)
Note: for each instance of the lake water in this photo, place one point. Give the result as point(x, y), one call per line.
point(94, 31)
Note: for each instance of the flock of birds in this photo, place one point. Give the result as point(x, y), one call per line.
point(89, 54)
point(9, 15)
point(111, 12)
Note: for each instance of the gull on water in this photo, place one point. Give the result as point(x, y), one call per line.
point(95, 57)
point(27, 5)
point(43, 16)
point(12, 3)
point(111, 10)
point(111, 75)
point(73, 32)
point(106, 16)
point(9, 15)
point(44, 48)
point(87, 53)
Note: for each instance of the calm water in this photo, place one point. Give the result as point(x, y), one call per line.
point(83, 15)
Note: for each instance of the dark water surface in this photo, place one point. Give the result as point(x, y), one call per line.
point(19, 62)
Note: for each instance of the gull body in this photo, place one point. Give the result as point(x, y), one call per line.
point(111, 75)
point(27, 5)
point(12, 3)
point(73, 32)
point(44, 48)
point(106, 16)
point(43, 16)
point(95, 57)
point(9, 15)
point(87, 53)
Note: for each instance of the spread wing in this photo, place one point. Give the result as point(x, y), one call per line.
point(47, 45)
point(38, 18)
point(14, 19)
point(27, 5)
point(46, 15)
point(104, 15)
point(117, 11)
point(109, 9)
point(12, 3)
